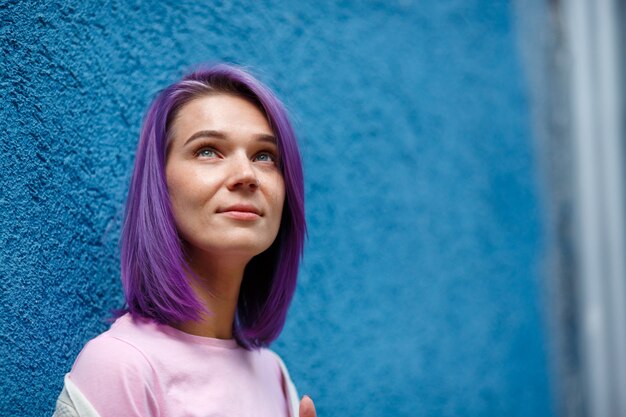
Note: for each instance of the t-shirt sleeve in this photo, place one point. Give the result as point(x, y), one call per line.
point(289, 389)
point(117, 379)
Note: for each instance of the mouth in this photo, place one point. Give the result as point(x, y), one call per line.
point(241, 212)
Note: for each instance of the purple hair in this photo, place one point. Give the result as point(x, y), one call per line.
point(153, 265)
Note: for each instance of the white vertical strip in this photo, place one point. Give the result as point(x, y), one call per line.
point(600, 197)
point(613, 156)
point(593, 315)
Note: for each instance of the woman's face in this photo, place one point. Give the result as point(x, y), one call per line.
point(226, 189)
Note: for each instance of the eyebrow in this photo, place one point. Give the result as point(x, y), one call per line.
point(216, 134)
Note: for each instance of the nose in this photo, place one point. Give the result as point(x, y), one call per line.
point(242, 174)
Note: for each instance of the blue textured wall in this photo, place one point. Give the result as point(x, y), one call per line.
point(420, 291)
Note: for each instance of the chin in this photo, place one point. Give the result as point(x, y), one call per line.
point(243, 244)
point(240, 248)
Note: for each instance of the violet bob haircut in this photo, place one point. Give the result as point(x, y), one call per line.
point(153, 267)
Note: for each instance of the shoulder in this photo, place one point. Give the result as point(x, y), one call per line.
point(267, 363)
point(126, 344)
point(279, 363)
point(272, 356)
point(289, 388)
point(117, 378)
point(107, 354)
point(114, 356)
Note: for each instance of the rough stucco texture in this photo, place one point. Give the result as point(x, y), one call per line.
point(420, 293)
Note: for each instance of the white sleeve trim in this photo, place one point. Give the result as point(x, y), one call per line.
point(72, 402)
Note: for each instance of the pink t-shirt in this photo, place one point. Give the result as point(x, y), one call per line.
point(141, 368)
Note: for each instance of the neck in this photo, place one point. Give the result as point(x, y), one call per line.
point(216, 284)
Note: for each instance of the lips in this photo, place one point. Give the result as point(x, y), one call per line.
point(241, 212)
point(244, 208)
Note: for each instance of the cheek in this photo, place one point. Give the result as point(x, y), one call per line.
point(277, 189)
point(184, 188)
point(274, 195)
point(279, 198)
point(176, 187)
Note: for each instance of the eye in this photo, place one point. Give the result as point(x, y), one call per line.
point(206, 153)
point(265, 157)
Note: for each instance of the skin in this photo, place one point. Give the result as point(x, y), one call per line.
point(227, 195)
point(307, 408)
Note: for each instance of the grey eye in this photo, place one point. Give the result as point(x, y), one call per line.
point(206, 153)
point(265, 157)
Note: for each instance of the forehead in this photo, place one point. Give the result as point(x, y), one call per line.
point(221, 112)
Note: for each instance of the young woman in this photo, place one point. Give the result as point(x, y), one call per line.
point(211, 243)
